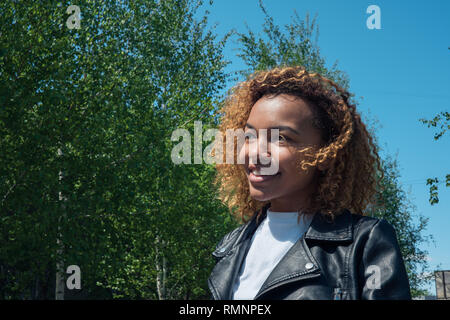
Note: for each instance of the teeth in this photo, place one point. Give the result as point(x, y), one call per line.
point(257, 172)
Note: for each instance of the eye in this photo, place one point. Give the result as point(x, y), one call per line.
point(283, 138)
point(249, 136)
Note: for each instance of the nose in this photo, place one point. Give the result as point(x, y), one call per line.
point(259, 151)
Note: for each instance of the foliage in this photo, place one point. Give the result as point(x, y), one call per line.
point(295, 46)
point(409, 227)
point(442, 119)
point(109, 96)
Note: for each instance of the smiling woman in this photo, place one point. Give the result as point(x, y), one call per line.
point(304, 235)
point(322, 131)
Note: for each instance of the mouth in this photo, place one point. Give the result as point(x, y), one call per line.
point(255, 176)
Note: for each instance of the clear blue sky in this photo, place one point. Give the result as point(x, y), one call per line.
point(401, 74)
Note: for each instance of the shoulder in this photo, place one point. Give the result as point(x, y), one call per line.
point(369, 222)
point(346, 226)
point(231, 234)
point(228, 241)
point(366, 227)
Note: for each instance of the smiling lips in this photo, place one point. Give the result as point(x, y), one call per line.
point(255, 175)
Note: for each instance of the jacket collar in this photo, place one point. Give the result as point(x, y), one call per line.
point(237, 236)
point(340, 229)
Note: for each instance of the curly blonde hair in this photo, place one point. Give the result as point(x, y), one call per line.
point(349, 152)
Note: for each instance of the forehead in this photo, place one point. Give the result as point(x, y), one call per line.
point(282, 109)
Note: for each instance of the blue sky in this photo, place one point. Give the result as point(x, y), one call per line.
point(400, 73)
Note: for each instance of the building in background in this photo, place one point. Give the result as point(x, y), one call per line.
point(442, 279)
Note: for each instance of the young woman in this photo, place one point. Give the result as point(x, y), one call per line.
point(304, 234)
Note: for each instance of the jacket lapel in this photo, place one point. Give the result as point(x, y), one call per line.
point(231, 253)
point(299, 263)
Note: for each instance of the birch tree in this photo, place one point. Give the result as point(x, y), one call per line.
point(109, 94)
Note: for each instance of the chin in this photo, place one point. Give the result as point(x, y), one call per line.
point(260, 195)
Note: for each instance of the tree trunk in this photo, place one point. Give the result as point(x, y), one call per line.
point(35, 289)
point(59, 286)
point(161, 271)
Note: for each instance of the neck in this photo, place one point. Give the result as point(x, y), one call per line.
point(291, 203)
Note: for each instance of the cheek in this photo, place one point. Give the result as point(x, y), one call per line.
point(287, 161)
point(290, 165)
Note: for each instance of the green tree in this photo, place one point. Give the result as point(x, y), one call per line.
point(108, 96)
point(296, 45)
point(399, 212)
point(442, 119)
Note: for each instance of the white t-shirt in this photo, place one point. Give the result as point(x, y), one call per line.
point(276, 234)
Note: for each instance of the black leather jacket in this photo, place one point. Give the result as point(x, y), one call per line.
point(356, 257)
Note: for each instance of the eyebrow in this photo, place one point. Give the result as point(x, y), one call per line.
point(281, 128)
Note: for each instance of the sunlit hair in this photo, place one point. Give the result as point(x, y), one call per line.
point(351, 178)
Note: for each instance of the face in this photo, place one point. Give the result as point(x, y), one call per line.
point(290, 187)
